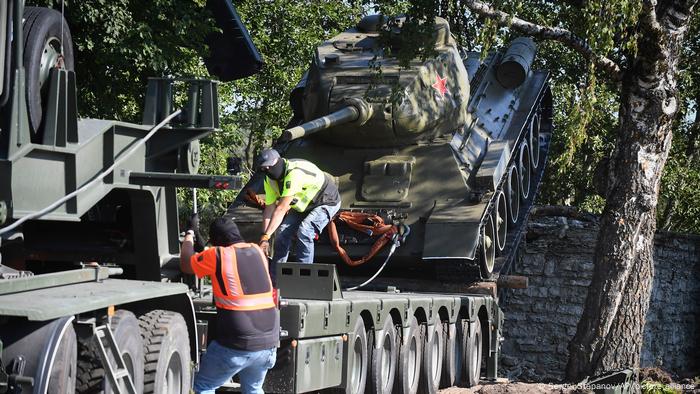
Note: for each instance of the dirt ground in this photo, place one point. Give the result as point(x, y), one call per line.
point(502, 386)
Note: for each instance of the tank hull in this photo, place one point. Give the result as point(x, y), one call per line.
point(458, 179)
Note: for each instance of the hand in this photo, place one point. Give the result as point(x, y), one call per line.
point(265, 246)
point(193, 222)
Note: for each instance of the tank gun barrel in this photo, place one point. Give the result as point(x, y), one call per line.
point(344, 115)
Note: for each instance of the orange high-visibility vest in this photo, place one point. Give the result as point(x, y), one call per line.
point(228, 291)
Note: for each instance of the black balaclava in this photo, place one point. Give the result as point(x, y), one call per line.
point(276, 171)
point(223, 232)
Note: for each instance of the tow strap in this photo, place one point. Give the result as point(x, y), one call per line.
point(356, 221)
point(366, 223)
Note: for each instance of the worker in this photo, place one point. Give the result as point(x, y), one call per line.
point(247, 319)
point(300, 200)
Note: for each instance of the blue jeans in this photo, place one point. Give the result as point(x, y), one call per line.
point(220, 363)
point(305, 227)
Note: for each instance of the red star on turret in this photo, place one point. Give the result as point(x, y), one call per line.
point(440, 85)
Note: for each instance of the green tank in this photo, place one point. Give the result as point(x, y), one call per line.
point(451, 149)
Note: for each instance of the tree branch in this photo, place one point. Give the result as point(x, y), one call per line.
point(564, 36)
point(648, 16)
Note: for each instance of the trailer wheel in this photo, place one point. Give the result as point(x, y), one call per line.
point(357, 359)
point(452, 362)
point(42, 52)
point(432, 358)
point(384, 359)
point(64, 367)
point(127, 334)
point(472, 354)
point(410, 357)
point(167, 353)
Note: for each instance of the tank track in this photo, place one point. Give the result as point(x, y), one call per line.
point(465, 270)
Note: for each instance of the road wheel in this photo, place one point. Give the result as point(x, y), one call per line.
point(384, 359)
point(433, 355)
point(513, 196)
point(487, 253)
point(167, 353)
point(42, 51)
point(410, 356)
point(64, 367)
point(452, 361)
point(524, 170)
point(472, 354)
point(500, 222)
point(127, 334)
point(534, 136)
point(358, 359)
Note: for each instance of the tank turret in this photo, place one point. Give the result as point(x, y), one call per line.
point(450, 150)
point(404, 105)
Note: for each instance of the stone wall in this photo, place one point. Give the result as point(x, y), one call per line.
point(558, 260)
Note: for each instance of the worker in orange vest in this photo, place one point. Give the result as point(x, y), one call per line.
point(247, 320)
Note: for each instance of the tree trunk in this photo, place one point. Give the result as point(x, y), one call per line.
point(610, 332)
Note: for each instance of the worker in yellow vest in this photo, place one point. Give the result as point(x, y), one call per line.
point(300, 200)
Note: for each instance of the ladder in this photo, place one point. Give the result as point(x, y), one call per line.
point(105, 340)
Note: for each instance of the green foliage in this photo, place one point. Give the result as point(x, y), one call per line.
point(649, 387)
point(122, 42)
point(586, 101)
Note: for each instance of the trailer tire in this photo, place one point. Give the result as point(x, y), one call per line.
point(64, 367)
point(127, 334)
point(452, 362)
point(167, 352)
point(42, 29)
point(358, 353)
point(433, 355)
point(410, 357)
point(472, 354)
point(383, 360)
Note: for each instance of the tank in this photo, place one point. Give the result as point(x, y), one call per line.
point(449, 152)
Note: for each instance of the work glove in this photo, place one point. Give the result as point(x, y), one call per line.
point(265, 246)
point(193, 224)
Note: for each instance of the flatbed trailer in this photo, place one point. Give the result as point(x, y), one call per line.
point(349, 340)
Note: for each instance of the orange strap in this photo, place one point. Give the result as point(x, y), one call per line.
point(252, 197)
point(356, 220)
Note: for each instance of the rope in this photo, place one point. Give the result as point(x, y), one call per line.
point(120, 159)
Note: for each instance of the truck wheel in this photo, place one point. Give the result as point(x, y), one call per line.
point(63, 370)
point(42, 52)
point(410, 357)
point(127, 335)
point(384, 358)
point(167, 353)
point(432, 358)
point(357, 359)
point(472, 354)
point(452, 362)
